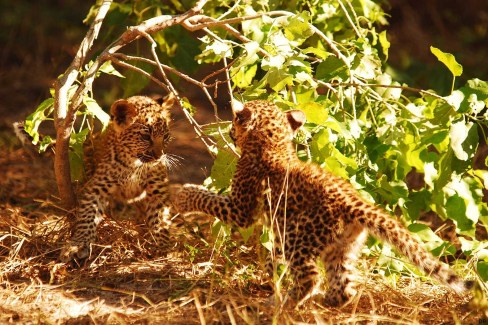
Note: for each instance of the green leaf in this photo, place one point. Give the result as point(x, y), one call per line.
point(449, 61)
point(456, 211)
point(45, 143)
point(458, 134)
point(368, 67)
point(392, 190)
point(331, 68)
point(243, 76)
point(266, 239)
point(246, 233)
point(108, 68)
point(475, 97)
point(76, 142)
point(223, 169)
point(385, 44)
point(298, 29)
point(34, 120)
point(94, 109)
point(224, 165)
point(445, 249)
point(220, 228)
point(482, 268)
point(314, 112)
point(214, 50)
point(424, 232)
point(278, 79)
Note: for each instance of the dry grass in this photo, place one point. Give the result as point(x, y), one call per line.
point(194, 283)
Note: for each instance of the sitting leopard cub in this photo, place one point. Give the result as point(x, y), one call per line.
point(129, 164)
point(317, 213)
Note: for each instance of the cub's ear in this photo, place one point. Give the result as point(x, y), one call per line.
point(241, 112)
point(122, 113)
point(296, 118)
point(167, 101)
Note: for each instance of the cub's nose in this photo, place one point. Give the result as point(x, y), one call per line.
point(157, 148)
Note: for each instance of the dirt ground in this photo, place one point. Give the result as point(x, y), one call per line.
point(200, 281)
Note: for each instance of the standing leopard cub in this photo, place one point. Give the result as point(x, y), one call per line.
point(316, 213)
point(130, 164)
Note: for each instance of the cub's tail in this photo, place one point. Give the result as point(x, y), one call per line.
point(383, 226)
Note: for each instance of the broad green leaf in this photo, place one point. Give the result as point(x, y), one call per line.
point(251, 56)
point(108, 68)
point(424, 232)
point(375, 148)
point(475, 97)
point(243, 76)
point(223, 169)
point(219, 49)
point(482, 268)
point(368, 67)
point(319, 51)
point(456, 211)
point(332, 68)
point(34, 120)
point(298, 29)
point(445, 249)
point(278, 79)
point(253, 28)
point(392, 190)
point(430, 174)
point(273, 61)
point(449, 61)
point(417, 202)
point(478, 249)
point(458, 133)
point(267, 239)
point(459, 188)
point(314, 112)
point(94, 109)
point(224, 164)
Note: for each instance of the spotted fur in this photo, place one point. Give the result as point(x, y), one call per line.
point(316, 214)
point(129, 163)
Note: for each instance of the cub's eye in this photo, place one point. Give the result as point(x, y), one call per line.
point(146, 137)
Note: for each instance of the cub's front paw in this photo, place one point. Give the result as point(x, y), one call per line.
point(183, 199)
point(74, 250)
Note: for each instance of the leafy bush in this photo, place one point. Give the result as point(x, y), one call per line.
point(327, 58)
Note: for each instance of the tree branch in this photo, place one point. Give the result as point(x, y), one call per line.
point(63, 119)
point(64, 114)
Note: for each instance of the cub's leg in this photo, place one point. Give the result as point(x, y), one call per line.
point(340, 261)
point(300, 252)
point(88, 216)
point(158, 206)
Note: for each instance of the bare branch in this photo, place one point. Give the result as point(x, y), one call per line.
point(63, 120)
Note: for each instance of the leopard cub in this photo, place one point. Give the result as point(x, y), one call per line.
point(129, 163)
point(315, 212)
